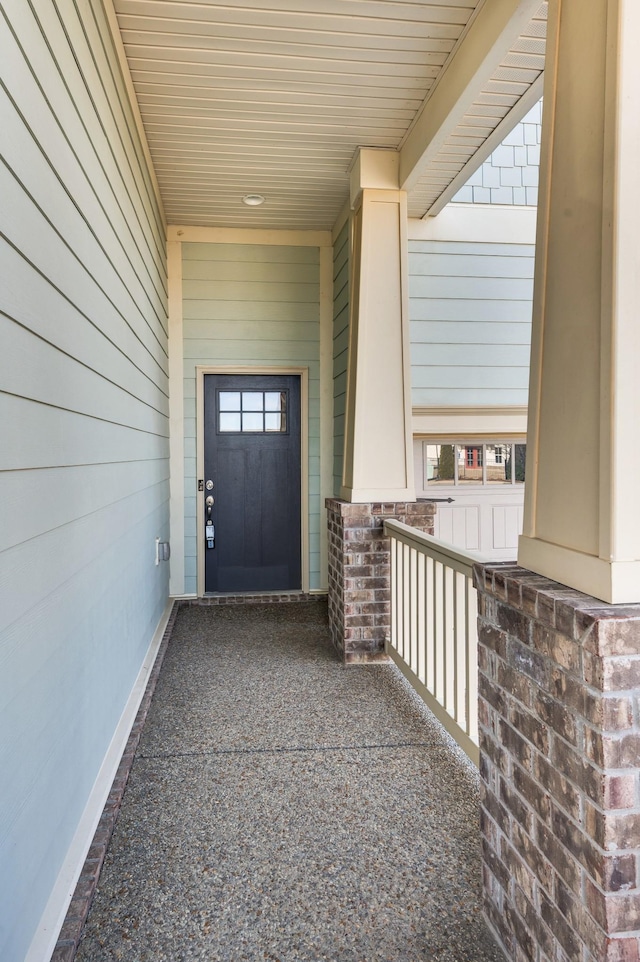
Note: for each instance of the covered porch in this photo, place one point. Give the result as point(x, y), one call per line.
point(201, 191)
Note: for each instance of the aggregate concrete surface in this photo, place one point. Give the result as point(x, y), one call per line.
point(282, 807)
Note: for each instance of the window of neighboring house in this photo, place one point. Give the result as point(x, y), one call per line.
point(457, 464)
point(470, 463)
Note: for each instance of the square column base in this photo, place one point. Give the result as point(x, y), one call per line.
point(359, 572)
point(559, 680)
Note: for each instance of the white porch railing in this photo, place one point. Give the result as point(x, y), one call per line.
point(434, 638)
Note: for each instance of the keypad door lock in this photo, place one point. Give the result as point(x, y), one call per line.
point(210, 534)
point(209, 529)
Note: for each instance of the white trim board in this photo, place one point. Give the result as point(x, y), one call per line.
point(478, 224)
point(176, 416)
point(47, 932)
point(326, 403)
point(241, 235)
point(469, 421)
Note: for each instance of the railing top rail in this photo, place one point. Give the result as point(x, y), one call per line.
point(440, 550)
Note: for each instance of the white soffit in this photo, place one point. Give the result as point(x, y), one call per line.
point(239, 98)
point(514, 88)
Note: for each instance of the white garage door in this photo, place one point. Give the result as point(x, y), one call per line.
point(479, 490)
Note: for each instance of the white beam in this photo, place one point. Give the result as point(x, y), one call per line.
point(490, 37)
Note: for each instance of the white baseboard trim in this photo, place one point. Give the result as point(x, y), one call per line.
point(46, 934)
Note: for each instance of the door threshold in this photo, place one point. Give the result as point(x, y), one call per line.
point(256, 598)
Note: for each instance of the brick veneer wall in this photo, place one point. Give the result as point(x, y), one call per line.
point(560, 766)
point(359, 566)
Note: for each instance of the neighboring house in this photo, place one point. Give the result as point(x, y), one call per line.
point(470, 309)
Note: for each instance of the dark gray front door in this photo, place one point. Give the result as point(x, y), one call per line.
point(252, 472)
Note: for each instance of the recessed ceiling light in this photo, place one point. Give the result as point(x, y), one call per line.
point(253, 200)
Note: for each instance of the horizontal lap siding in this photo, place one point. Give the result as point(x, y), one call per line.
point(83, 432)
point(470, 311)
point(340, 349)
point(250, 305)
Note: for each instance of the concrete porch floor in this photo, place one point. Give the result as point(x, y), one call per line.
point(282, 807)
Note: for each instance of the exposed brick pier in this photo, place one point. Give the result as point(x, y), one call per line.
point(359, 566)
point(560, 765)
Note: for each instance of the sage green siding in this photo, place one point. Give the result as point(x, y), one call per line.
point(83, 433)
point(251, 305)
point(340, 349)
point(470, 312)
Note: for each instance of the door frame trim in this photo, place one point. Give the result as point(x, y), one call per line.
point(303, 374)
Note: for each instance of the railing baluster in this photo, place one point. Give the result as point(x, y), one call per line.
point(439, 616)
point(400, 553)
point(421, 636)
point(472, 666)
point(449, 627)
point(433, 621)
point(406, 624)
point(454, 648)
point(393, 577)
point(433, 636)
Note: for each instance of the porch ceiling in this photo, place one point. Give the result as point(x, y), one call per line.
point(241, 97)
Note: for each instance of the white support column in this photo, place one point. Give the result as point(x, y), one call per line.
point(378, 457)
point(582, 516)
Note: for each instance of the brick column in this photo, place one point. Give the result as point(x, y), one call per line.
point(560, 767)
point(359, 566)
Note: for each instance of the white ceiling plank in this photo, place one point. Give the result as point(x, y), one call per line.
point(241, 96)
point(522, 74)
point(246, 76)
point(225, 52)
point(424, 37)
point(334, 15)
point(232, 99)
point(208, 117)
point(373, 65)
